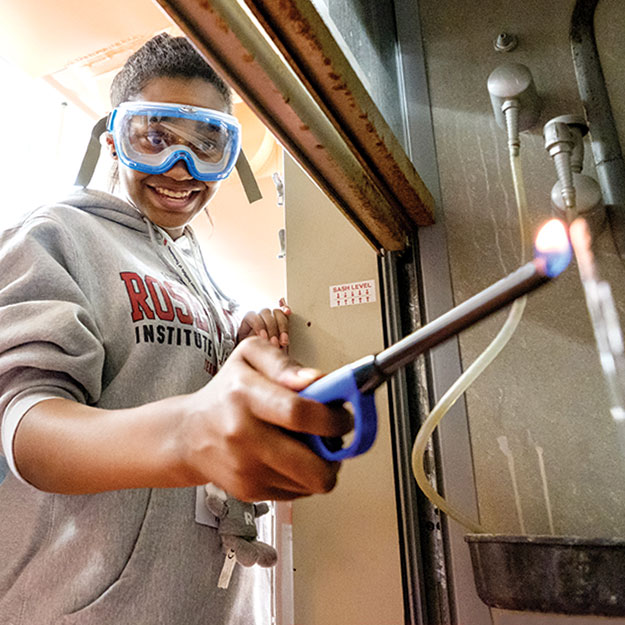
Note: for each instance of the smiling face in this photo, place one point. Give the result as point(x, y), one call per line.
point(172, 199)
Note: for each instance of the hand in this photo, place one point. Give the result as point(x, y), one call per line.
point(268, 324)
point(240, 429)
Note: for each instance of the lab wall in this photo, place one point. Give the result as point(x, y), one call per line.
point(546, 459)
point(545, 453)
point(546, 389)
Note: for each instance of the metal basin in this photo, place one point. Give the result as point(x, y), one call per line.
point(557, 574)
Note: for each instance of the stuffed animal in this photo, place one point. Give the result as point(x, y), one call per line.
point(237, 528)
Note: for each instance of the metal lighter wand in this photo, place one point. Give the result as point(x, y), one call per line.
point(355, 382)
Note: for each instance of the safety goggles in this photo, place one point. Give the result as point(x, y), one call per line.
point(152, 136)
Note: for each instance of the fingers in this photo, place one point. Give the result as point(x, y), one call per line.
point(274, 325)
point(245, 425)
point(275, 365)
point(272, 330)
point(301, 472)
point(279, 468)
point(268, 324)
point(281, 317)
point(267, 386)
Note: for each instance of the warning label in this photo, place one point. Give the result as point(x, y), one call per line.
point(352, 293)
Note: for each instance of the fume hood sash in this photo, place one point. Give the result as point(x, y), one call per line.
point(344, 144)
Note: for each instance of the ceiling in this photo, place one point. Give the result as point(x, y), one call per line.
point(78, 47)
point(43, 37)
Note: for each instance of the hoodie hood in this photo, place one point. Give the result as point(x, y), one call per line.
point(108, 206)
point(114, 209)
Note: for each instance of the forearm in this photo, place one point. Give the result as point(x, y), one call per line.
point(235, 432)
point(66, 447)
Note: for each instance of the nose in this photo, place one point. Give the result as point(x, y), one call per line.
point(179, 171)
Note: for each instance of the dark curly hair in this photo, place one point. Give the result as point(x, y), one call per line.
point(164, 56)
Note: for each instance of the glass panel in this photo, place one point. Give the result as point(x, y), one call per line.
point(366, 33)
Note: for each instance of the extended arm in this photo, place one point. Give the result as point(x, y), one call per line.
point(237, 432)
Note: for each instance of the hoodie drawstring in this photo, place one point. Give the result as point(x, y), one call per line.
point(220, 327)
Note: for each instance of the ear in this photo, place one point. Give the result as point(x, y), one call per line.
point(110, 144)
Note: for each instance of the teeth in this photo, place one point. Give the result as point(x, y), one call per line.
point(179, 195)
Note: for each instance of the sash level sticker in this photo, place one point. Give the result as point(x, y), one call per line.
point(352, 293)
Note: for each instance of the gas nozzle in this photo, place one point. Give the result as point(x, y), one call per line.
point(515, 102)
point(564, 141)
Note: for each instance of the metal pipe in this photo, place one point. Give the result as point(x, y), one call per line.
point(404, 394)
point(605, 144)
point(525, 279)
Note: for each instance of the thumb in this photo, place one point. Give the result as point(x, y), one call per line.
point(275, 365)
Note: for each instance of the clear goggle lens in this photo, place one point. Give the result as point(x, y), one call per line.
point(152, 137)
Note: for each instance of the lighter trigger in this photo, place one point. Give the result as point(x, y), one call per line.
point(342, 386)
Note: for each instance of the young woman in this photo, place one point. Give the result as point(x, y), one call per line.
point(124, 383)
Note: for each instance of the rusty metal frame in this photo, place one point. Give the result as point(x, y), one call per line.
point(372, 184)
point(306, 42)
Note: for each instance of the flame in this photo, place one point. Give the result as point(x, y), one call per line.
point(553, 248)
point(552, 237)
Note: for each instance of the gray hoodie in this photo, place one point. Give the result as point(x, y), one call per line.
point(93, 308)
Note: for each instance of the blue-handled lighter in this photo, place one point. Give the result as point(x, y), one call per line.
point(353, 383)
point(356, 382)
